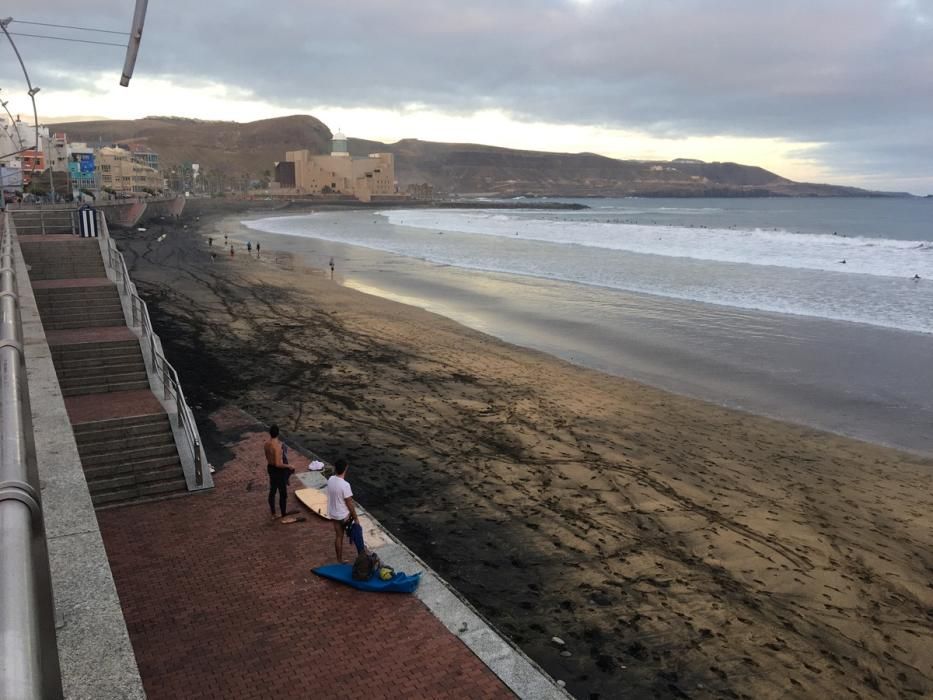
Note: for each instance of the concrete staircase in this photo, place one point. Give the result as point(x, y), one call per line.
point(67, 257)
point(129, 459)
point(79, 307)
point(99, 368)
point(124, 437)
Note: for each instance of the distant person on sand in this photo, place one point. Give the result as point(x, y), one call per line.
point(257, 249)
point(341, 511)
point(277, 469)
point(332, 268)
point(249, 247)
point(210, 242)
point(231, 250)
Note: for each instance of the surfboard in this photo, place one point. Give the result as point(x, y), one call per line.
point(314, 500)
point(343, 573)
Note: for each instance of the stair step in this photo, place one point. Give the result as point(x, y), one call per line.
point(86, 315)
point(92, 292)
point(104, 388)
point(80, 351)
point(115, 423)
point(100, 361)
point(102, 369)
point(140, 430)
point(133, 494)
point(83, 323)
point(79, 306)
point(163, 438)
point(108, 471)
point(169, 472)
point(72, 300)
point(132, 457)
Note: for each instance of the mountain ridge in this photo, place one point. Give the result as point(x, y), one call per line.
point(246, 151)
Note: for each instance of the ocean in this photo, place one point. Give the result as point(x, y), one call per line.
point(802, 309)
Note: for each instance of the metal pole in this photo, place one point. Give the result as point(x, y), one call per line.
point(132, 48)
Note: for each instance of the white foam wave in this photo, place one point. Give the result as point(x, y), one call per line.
point(780, 248)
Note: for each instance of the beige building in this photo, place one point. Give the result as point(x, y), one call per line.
point(338, 173)
point(120, 173)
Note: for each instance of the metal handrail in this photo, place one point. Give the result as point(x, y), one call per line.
point(29, 666)
point(155, 361)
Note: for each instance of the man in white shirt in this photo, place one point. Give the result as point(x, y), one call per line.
point(341, 511)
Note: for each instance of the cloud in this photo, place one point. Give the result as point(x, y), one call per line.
point(856, 76)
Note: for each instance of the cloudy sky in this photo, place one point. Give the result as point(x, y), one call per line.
point(822, 90)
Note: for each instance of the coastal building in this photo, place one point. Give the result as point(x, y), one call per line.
point(81, 166)
point(120, 173)
point(56, 150)
point(142, 154)
point(338, 173)
point(32, 162)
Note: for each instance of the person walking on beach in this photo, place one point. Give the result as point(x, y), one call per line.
point(332, 268)
point(257, 249)
point(341, 511)
point(210, 242)
point(278, 470)
point(231, 250)
point(249, 247)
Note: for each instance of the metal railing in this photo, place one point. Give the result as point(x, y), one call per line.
point(29, 666)
point(156, 363)
point(49, 218)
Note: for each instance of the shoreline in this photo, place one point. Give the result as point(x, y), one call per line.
point(674, 545)
point(692, 348)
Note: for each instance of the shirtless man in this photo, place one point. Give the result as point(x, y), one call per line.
point(277, 469)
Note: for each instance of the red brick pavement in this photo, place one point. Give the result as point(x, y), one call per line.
point(220, 603)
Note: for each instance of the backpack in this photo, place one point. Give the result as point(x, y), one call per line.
point(364, 566)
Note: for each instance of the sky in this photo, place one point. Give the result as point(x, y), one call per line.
point(836, 91)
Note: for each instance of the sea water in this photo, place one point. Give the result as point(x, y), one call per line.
point(852, 260)
point(744, 302)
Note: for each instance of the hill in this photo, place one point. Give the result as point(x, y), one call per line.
point(243, 151)
point(236, 150)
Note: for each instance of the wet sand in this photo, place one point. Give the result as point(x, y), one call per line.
point(678, 549)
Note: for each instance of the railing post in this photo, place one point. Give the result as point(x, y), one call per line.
point(198, 470)
point(166, 380)
point(179, 407)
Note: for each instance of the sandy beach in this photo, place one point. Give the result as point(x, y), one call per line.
point(678, 549)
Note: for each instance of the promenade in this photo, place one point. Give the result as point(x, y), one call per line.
point(220, 601)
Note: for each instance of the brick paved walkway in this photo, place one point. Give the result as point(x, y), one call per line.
point(220, 603)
